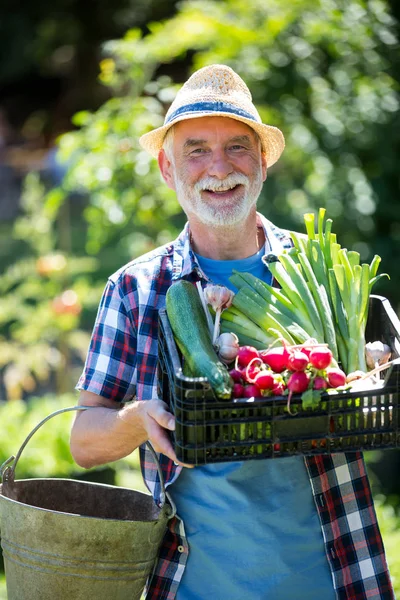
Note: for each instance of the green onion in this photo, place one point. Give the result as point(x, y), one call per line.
point(324, 294)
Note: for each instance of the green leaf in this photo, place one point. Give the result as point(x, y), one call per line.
point(311, 399)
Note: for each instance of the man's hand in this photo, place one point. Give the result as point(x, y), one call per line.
point(157, 421)
point(112, 432)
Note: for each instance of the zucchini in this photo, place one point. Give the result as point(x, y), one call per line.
point(189, 326)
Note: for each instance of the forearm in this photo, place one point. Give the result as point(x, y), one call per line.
point(101, 434)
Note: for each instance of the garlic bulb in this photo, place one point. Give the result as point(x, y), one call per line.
point(220, 297)
point(227, 347)
point(377, 353)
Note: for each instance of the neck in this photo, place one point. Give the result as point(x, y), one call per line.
point(227, 243)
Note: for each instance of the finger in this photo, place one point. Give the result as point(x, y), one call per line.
point(160, 439)
point(161, 442)
point(158, 410)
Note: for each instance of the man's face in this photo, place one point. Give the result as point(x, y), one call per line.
point(216, 168)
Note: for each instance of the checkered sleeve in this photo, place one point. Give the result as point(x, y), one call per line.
point(353, 542)
point(110, 367)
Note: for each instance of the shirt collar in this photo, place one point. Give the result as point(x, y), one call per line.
point(184, 259)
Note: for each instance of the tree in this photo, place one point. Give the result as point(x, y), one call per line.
point(324, 72)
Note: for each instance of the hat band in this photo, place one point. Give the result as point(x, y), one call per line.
point(209, 107)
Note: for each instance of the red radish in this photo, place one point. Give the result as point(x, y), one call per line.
point(252, 369)
point(236, 375)
point(309, 346)
point(336, 377)
point(278, 388)
point(251, 390)
point(321, 357)
point(297, 361)
point(246, 355)
point(238, 390)
point(307, 351)
point(298, 382)
point(276, 358)
point(320, 383)
point(264, 380)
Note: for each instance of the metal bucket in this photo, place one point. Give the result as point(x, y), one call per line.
point(63, 538)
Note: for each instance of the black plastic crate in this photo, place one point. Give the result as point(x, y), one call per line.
point(209, 430)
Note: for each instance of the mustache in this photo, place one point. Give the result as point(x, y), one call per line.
point(216, 185)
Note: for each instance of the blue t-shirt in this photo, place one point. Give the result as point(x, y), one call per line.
point(219, 271)
point(252, 526)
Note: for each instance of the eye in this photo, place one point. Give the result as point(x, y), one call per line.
point(197, 151)
point(237, 147)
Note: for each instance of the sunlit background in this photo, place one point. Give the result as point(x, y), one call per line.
point(81, 81)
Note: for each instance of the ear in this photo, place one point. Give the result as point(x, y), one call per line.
point(264, 165)
point(167, 169)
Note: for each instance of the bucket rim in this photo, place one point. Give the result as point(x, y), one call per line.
point(7, 469)
point(166, 509)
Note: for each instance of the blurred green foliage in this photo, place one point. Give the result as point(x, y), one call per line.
point(47, 454)
point(42, 295)
point(324, 72)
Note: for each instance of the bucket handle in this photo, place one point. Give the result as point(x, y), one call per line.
point(7, 469)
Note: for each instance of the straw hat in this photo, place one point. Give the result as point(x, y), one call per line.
point(217, 91)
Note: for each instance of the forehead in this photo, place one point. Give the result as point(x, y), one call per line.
point(211, 129)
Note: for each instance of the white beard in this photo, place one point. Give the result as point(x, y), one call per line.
point(223, 212)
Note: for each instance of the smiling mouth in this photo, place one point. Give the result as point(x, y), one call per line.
point(223, 191)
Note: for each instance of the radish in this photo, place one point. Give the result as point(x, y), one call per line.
point(251, 390)
point(246, 355)
point(309, 346)
point(236, 375)
point(307, 351)
point(297, 361)
point(321, 358)
point(276, 358)
point(298, 382)
point(278, 388)
point(320, 383)
point(336, 377)
point(238, 390)
point(252, 369)
point(264, 380)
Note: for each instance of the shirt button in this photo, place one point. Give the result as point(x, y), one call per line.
point(181, 549)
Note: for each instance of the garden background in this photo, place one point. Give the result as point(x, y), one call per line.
point(81, 81)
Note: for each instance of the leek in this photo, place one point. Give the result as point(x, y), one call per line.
point(324, 294)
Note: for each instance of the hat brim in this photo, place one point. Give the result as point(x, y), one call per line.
point(272, 139)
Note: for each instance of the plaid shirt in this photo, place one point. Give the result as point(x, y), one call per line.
point(122, 364)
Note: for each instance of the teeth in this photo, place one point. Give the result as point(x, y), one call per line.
point(222, 189)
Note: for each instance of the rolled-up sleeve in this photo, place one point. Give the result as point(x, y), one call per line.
point(110, 367)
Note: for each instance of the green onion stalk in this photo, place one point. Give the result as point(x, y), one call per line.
point(323, 295)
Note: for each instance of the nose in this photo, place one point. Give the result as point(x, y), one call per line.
point(220, 166)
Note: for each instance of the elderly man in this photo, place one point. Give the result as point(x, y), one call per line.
point(291, 528)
